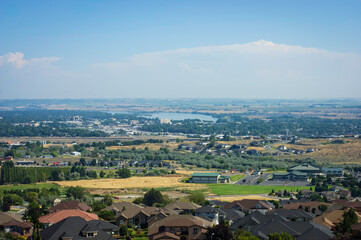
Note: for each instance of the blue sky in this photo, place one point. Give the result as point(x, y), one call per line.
point(72, 38)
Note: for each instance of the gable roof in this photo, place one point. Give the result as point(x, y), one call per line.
point(166, 235)
point(62, 214)
point(121, 206)
point(178, 221)
point(292, 213)
point(74, 204)
point(304, 167)
point(264, 225)
point(19, 224)
point(248, 204)
point(72, 227)
point(303, 205)
point(9, 217)
point(329, 219)
point(182, 206)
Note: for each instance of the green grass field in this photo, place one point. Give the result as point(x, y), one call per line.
point(26, 186)
point(235, 178)
point(233, 189)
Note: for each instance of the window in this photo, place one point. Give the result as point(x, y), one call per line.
point(195, 230)
point(90, 234)
point(171, 229)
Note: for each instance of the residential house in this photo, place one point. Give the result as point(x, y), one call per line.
point(137, 217)
point(312, 207)
point(178, 227)
point(73, 204)
point(7, 158)
point(183, 207)
point(9, 217)
point(78, 228)
point(250, 205)
point(356, 231)
point(16, 228)
point(263, 225)
point(75, 153)
point(121, 206)
point(52, 218)
point(331, 218)
point(356, 205)
point(213, 214)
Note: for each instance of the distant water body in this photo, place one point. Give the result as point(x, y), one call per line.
point(181, 116)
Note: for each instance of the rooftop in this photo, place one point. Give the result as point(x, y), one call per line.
point(205, 174)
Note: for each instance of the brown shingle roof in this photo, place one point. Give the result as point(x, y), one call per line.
point(70, 205)
point(178, 221)
point(329, 219)
point(62, 214)
point(19, 224)
point(9, 217)
point(303, 205)
point(166, 235)
point(120, 206)
point(248, 204)
point(182, 206)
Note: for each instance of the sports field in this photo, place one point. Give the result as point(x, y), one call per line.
point(233, 189)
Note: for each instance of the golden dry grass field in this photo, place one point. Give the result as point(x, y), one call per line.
point(133, 182)
point(347, 153)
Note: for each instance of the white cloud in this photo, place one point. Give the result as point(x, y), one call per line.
point(259, 69)
point(17, 59)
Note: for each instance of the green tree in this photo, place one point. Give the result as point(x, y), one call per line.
point(323, 208)
point(280, 236)
point(219, 232)
point(197, 197)
point(82, 161)
point(31, 197)
point(107, 215)
point(244, 235)
point(349, 218)
point(11, 199)
point(153, 196)
point(33, 212)
point(102, 174)
point(76, 192)
point(124, 173)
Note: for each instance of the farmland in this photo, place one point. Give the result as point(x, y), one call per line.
point(133, 182)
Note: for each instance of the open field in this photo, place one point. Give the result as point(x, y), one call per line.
point(238, 198)
point(190, 172)
point(347, 153)
point(233, 189)
point(133, 182)
point(27, 186)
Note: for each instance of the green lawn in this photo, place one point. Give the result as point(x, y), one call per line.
point(235, 178)
point(25, 186)
point(234, 189)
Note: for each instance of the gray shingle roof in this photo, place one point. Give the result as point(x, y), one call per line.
point(72, 226)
